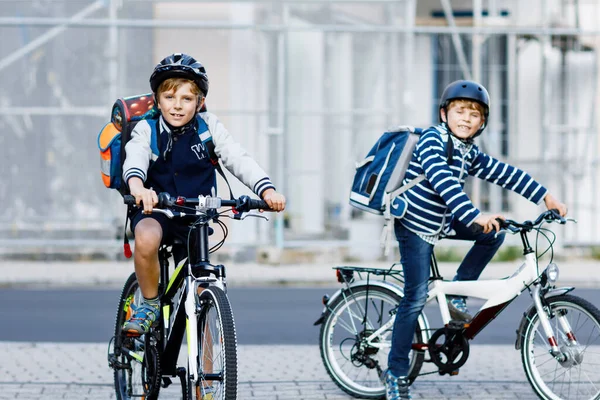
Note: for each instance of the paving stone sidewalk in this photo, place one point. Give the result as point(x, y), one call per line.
point(80, 371)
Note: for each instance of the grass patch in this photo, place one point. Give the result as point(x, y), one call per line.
point(508, 253)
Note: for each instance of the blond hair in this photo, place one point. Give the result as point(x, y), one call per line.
point(175, 83)
point(470, 104)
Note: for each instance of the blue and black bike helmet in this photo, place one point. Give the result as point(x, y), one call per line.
point(179, 65)
point(466, 90)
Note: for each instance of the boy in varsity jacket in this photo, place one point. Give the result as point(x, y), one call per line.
point(171, 157)
point(438, 207)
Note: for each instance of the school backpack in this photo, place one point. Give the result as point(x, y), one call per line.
point(378, 178)
point(126, 113)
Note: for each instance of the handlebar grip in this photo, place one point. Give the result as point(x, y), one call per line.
point(129, 200)
point(258, 205)
point(475, 228)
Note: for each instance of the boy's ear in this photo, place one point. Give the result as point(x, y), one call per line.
point(443, 114)
point(155, 100)
point(201, 100)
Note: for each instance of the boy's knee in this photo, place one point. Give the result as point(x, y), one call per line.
point(147, 239)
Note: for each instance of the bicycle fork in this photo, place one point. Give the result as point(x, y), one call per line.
point(191, 328)
point(570, 354)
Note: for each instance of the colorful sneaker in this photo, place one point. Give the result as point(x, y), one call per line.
point(457, 305)
point(396, 387)
point(142, 320)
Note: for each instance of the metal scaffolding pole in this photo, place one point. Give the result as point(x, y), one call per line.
point(363, 28)
point(52, 33)
point(460, 51)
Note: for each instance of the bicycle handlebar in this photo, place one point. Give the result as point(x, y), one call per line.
point(526, 226)
point(241, 204)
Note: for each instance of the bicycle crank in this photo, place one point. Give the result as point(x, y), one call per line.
point(449, 349)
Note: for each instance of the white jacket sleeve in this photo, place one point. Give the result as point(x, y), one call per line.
point(138, 152)
point(235, 158)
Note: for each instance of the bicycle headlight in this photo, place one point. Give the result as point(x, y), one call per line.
point(551, 273)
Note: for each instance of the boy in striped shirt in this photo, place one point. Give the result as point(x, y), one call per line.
point(438, 207)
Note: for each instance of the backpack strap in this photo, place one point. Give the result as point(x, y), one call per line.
point(207, 140)
point(387, 233)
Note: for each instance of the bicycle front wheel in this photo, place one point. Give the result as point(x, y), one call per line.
point(217, 348)
point(576, 377)
point(137, 372)
point(352, 360)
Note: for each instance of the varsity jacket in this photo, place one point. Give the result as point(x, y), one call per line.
point(428, 207)
point(180, 164)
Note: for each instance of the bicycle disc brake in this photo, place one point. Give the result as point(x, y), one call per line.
point(449, 349)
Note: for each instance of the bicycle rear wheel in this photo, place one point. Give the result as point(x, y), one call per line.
point(577, 377)
point(217, 348)
point(352, 363)
point(137, 373)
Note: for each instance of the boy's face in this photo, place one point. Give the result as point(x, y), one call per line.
point(463, 119)
point(179, 106)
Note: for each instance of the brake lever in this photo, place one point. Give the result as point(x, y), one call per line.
point(256, 216)
point(236, 216)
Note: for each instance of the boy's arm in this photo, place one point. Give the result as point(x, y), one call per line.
point(138, 152)
point(507, 176)
point(236, 159)
point(432, 155)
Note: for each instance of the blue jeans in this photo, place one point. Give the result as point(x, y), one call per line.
point(416, 261)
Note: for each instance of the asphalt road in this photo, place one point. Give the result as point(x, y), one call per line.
point(270, 315)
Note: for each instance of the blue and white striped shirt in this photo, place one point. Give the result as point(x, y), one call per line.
point(432, 203)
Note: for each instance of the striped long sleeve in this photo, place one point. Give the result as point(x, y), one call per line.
point(432, 203)
point(507, 176)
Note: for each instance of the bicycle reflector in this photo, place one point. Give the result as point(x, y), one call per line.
point(344, 275)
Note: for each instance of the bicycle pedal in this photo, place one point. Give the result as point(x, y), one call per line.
point(458, 325)
point(454, 373)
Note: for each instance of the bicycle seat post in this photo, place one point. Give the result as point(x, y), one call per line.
point(435, 271)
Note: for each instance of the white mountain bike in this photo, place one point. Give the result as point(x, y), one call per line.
point(558, 336)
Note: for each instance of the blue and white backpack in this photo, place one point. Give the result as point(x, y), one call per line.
point(378, 178)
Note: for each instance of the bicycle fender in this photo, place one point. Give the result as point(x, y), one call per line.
point(382, 284)
point(531, 310)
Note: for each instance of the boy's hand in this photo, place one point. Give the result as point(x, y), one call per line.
point(276, 201)
point(488, 222)
point(146, 196)
point(552, 203)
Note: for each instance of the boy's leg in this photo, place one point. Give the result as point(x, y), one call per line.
point(148, 236)
point(485, 247)
point(416, 260)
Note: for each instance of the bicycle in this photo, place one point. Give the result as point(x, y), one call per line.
point(193, 302)
point(556, 335)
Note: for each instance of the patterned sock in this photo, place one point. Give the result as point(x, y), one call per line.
point(154, 302)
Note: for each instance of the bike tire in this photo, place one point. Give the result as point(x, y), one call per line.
point(145, 376)
point(350, 369)
point(217, 344)
point(578, 378)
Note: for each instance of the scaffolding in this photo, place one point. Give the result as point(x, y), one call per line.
point(306, 86)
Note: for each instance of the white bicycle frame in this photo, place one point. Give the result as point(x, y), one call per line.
point(498, 293)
